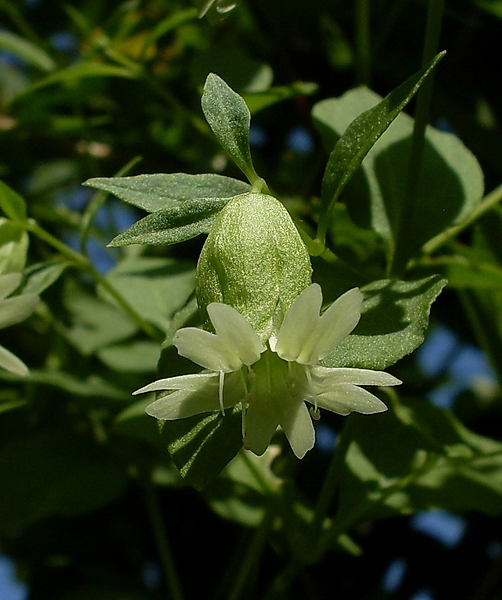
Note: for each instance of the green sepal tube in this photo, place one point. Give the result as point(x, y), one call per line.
point(254, 260)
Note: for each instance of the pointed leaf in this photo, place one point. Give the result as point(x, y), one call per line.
point(359, 138)
point(229, 118)
point(172, 225)
point(164, 190)
point(26, 51)
point(12, 204)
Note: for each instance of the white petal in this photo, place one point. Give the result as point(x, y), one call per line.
point(181, 404)
point(334, 326)
point(346, 398)
point(325, 377)
point(298, 427)
point(260, 424)
point(17, 309)
point(8, 283)
point(236, 332)
point(206, 349)
point(195, 395)
point(182, 382)
point(12, 363)
point(299, 323)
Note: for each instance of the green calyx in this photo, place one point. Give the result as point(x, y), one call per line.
point(253, 260)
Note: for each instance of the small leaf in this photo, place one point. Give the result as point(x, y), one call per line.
point(14, 241)
point(41, 276)
point(234, 65)
point(173, 225)
point(257, 101)
point(12, 204)
point(229, 118)
point(95, 323)
point(78, 71)
point(165, 190)
point(202, 445)
point(26, 51)
point(155, 287)
point(359, 138)
point(439, 464)
point(395, 316)
point(96, 203)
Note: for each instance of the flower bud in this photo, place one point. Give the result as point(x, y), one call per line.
point(254, 260)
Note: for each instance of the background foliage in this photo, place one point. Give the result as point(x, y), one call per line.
point(91, 504)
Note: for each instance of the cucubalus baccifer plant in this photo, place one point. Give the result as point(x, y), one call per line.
point(270, 358)
point(266, 361)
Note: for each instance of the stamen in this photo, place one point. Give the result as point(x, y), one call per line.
point(315, 413)
point(243, 414)
point(311, 390)
point(221, 383)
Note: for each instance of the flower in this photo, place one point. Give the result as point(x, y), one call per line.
point(12, 311)
point(272, 382)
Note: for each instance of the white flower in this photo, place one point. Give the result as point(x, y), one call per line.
point(273, 383)
point(13, 310)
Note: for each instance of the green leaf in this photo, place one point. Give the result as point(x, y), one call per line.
point(155, 287)
point(12, 204)
point(76, 72)
point(173, 225)
point(41, 276)
point(166, 190)
point(131, 357)
point(450, 185)
point(56, 472)
point(257, 101)
point(358, 139)
point(234, 65)
point(26, 51)
point(95, 323)
point(202, 445)
point(96, 203)
point(439, 464)
point(14, 241)
point(395, 316)
point(94, 388)
point(230, 119)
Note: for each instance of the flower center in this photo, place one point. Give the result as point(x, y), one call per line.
point(274, 378)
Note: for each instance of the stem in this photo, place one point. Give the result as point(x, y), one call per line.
point(283, 581)
point(424, 96)
point(488, 203)
point(363, 45)
point(325, 499)
point(163, 546)
point(253, 553)
point(84, 264)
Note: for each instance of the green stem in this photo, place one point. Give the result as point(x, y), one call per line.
point(253, 553)
point(84, 264)
point(283, 581)
point(488, 203)
point(325, 499)
point(424, 96)
point(362, 15)
point(163, 546)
